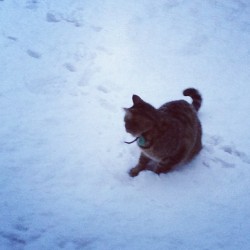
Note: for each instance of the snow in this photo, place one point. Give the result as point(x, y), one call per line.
point(67, 69)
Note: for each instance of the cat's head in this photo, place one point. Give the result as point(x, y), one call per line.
point(140, 117)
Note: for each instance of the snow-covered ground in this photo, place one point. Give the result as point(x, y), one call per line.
point(66, 70)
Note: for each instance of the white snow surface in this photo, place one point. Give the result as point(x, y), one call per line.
point(66, 70)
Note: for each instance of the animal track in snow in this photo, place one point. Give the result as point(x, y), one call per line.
point(80, 243)
point(223, 162)
point(32, 4)
point(96, 28)
point(34, 54)
point(20, 227)
point(234, 152)
point(14, 239)
point(53, 17)
point(103, 89)
point(75, 18)
point(171, 4)
point(70, 67)
point(12, 38)
point(74, 21)
point(227, 155)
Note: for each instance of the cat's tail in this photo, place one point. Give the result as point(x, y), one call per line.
point(195, 95)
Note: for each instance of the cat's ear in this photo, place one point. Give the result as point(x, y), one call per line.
point(136, 99)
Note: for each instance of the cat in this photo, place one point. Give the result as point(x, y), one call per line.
point(169, 136)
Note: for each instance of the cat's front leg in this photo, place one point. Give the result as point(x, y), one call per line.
point(142, 164)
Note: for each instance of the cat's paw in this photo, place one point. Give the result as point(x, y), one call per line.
point(157, 171)
point(134, 171)
point(163, 169)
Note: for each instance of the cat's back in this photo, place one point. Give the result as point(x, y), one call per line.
point(180, 110)
point(176, 106)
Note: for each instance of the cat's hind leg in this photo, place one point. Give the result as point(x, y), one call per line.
point(163, 168)
point(170, 162)
point(142, 165)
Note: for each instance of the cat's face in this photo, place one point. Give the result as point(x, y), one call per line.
point(136, 119)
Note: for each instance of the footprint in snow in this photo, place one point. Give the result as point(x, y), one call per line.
point(53, 17)
point(225, 154)
point(34, 54)
point(169, 5)
point(14, 239)
point(96, 28)
point(12, 38)
point(70, 67)
point(231, 150)
point(20, 227)
point(32, 4)
point(75, 18)
point(103, 89)
point(78, 243)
